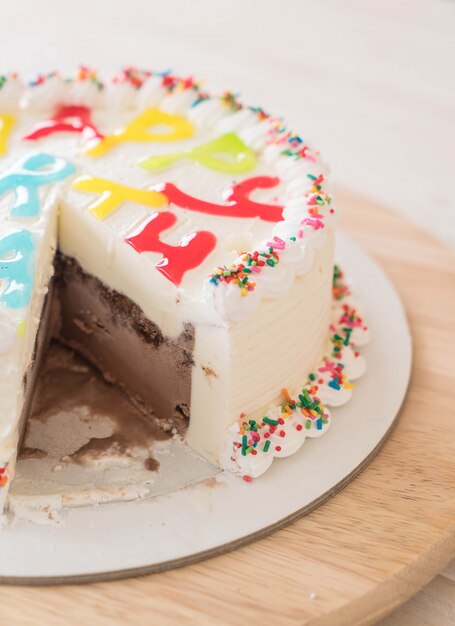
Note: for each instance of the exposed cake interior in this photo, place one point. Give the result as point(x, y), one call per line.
point(112, 332)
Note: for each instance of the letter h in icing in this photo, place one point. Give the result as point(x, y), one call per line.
point(192, 250)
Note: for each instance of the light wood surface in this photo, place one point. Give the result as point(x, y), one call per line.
point(365, 551)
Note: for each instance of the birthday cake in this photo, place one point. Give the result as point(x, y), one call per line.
point(183, 244)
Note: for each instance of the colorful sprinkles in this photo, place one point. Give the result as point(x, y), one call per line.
point(5, 77)
point(230, 100)
point(241, 273)
point(132, 75)
point(85, 73)
point(306, 413)
point(292, 144)
point(40, 79)
point(252, 263)
point(263, 435)
point(340, 289)
point(350, 318)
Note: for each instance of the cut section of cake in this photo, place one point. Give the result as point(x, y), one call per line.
point(195, 257)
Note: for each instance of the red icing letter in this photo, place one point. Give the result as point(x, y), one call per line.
point(190, 253)
point(67, 119)
point(239, 204)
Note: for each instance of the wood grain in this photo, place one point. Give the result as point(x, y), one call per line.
point(362, 553)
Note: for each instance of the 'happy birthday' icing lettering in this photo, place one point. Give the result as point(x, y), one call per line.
point(6, 124)
point(140, 129)
point(26, 176)
point(67, 119)
point(192, 250)
point(114, 195)
point(226, 154)
point(16, 250)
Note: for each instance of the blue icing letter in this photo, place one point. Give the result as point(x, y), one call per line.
point(25, 177)
point(16, 268)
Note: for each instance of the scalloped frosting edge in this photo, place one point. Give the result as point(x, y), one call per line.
point(253, 444)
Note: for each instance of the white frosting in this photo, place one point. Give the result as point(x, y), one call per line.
point(359, 332)
point(11, 92)
point(272, 282)
point(237, 121)
point(16, 359)
point(119, 96)
point(207, 113)
point(46, 93)
point(333, 397)
point(8, 331)
point(178, 101)
point(151, 93)
point(287, 438)
point(258, 134)
point(330, 384)
point(83, 93)
point(254, 361)
point(253, 345)
point(354, 363)
point(45, 96)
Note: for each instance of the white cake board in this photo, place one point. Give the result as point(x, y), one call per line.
point(219, 514)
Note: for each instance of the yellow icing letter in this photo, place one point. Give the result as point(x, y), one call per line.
point(141, 129)
point(6, 124)
point(113, 195)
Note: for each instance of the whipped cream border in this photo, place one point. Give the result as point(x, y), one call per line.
point(253, 444)
point(308, 213)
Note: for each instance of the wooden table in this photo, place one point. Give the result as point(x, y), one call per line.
point(364, 552)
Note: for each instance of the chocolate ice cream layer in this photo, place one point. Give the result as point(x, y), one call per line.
point(113, 333)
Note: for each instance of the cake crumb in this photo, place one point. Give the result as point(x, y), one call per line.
point(151, 464)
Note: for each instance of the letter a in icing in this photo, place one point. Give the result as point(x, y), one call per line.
point(141, 130)
point(114, 195)
point(67, 119)
point(6, 124)
point(26, 176)
point(192, 250)
point(226, 154)
point(16, 250)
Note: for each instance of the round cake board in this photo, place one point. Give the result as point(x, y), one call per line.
point(214, 515)
point(365, 550)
